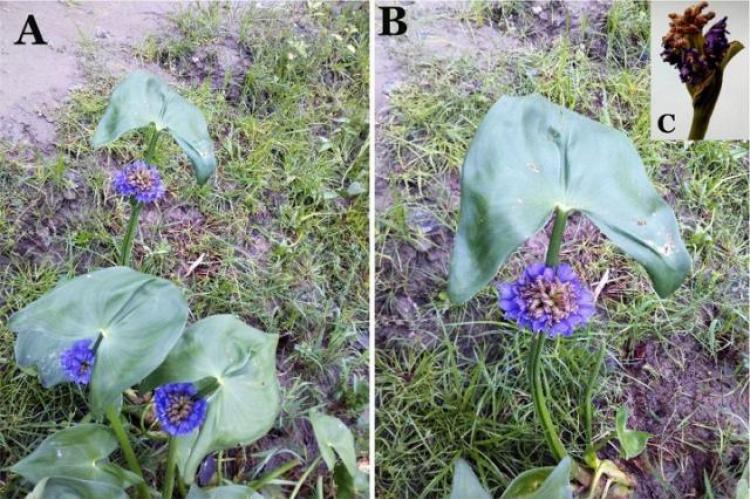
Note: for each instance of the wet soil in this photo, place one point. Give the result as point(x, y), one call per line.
point(693, 405)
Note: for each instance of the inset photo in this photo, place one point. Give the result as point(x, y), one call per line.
point(561, 302)
point(700, 88)
point(184, 250)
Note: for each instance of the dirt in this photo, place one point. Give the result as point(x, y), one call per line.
point(35, 80)
point(692, 404)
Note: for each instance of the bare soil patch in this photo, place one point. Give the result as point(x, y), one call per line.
point(692, 404)
point(36, 79)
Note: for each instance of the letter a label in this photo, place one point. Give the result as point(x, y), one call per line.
point(30, 28)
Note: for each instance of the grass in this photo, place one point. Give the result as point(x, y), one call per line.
point(451, 379)
point(277, 237)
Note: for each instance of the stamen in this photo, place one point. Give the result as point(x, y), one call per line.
point(552, 298)
point(141, 179)
point(180, 408)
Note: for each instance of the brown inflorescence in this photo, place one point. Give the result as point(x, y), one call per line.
point(686, 48)
point(180, 408)
point(554, 298)
point(141, 179)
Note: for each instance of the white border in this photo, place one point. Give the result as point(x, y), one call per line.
point(371, 256)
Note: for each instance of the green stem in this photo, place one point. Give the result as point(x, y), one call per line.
point(151, 148)
point(136, 207)
point(706, 94)
point(535, 356)
point(113, 415)
point(701, 118)
point(169, 480)
point(273, 475)
point(555, 240)
point(304, 476)
point(595, 482)
point(181, 485)
point(127, 242)
point(588, 402)
point(540, 401)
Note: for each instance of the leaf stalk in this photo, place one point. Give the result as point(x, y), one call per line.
point(115, 422)
point(535, 355)
point(127, 242)
point(169, 479)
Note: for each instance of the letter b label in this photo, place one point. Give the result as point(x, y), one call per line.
point(392, 21)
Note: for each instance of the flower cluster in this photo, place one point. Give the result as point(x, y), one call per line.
point(547, 299)
point(716, 43)
point(139, 181)
point(78, 361)
point(685, 47)
point(179, 408)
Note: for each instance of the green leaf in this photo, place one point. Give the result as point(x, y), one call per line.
point(333, 435)
point(73, 488)
point(344, 482)
point(241, 362)
point(530, 157)
point(142, 99)
point(734, 48)
point(466, 484)
point(542, 483)
point(224, 492)
point(77, 452)
point(140, 318)
point(632, 442)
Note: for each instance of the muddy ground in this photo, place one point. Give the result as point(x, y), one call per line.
point(688, 399)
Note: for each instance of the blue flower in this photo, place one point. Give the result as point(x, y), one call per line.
point(139, 181)
point(179, 408)
point(545, 299)
point(716, 44)
point(78, 361)
point(694, 67)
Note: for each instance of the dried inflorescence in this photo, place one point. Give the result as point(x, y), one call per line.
point(686, 48)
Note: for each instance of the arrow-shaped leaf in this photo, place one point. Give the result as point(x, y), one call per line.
point(332, 436)
point(138, 316)
point(241, 362)
point(530, 157)
point(79, 452)
point(142, 99)
point(632, 442)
